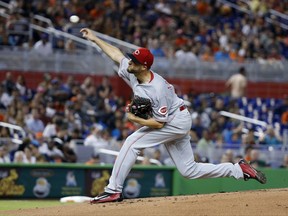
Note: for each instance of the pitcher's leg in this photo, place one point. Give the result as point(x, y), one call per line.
point(207, 170)
point(122, 166)
point(142, 138)
point(182, 154)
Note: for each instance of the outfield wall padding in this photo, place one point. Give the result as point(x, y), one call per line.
point(59, 180)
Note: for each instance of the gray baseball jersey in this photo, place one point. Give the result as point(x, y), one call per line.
point(158, 90)
point(168, 108)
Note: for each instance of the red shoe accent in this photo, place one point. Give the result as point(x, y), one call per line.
point(107, 197)
point(250, 173)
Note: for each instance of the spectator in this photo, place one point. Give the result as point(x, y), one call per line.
point(57, 93)
point(43, 47)
point(75, 136)
point(69, 155)
point(247, 152)
point(95, 159)
point(222, 55)
point(270, 137)
point(231, 133)
point(255, 159)
point(70, 46)
point(237, 158)
point(34, 148)
point(207, 55)
point(95, 136)
point(204, 144)
point(17, 28)
point(34, 124)
point(92, 97)
point(285, 162)
point(157, 155)
point(9, 96)
point(20, 157)
point(30, 158)
point(51, 129)
point(258, 7)
point(238, 84)
point(106, 142)
point(4, 155)
point(145, 161)
point(2, 106)
point(69, 84)
point(284, 118)
point(281, 109)
point(116, 132)
point(50, 151)
point(197, 128)
point(43, 86)
point(59, 47)
point(86, 84)
point(81, 108)
point(156, 48)
point(10, 116)
point(185, 56)
point(3, 35)
point(250, 138)
point(219, 140)
point(8, 83)
point(236, 139)
point(228, 156)
point(21, 86)
point(104, 89)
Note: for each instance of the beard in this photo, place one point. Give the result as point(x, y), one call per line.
point(131, 71)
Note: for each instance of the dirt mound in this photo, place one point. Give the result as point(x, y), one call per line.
point(261, 202)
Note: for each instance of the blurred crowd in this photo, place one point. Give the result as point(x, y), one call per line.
point(206, 30)
point(61, 115)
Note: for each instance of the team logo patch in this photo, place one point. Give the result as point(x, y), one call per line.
point(137, 52)
point(163, 110)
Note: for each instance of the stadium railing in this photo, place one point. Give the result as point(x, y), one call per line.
point(15, 58)
point(92, 62)
point(272, 16)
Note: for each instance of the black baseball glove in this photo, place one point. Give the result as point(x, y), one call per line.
point(141, 107)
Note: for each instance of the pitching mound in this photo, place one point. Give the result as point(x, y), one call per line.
point(262, 202)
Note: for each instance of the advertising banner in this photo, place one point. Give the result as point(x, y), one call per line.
point(41, 182)
point(139, 183)
point(9, 183)
point(59, 181)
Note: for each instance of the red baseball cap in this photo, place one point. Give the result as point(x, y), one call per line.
point(142, 56)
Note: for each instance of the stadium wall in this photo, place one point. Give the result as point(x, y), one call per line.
point(276, 178)
point(60, 180)
point(182, 86)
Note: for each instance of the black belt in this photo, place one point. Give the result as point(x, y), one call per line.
point(183, 107)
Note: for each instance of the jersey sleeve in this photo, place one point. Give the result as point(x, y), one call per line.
point(122, 72)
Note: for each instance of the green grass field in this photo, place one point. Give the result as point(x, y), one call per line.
point(26, 204)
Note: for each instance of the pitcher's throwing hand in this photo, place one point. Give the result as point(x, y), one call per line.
point(87, 33)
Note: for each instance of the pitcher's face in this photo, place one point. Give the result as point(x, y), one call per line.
point(133, 67)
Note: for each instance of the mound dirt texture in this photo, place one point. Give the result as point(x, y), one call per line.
point(249, 203)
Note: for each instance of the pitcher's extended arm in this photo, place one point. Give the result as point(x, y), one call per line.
point(113, 52)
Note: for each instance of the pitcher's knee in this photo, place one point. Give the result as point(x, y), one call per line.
point(129, 145)
point(187, 171)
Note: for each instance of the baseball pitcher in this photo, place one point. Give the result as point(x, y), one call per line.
point(167, 123)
